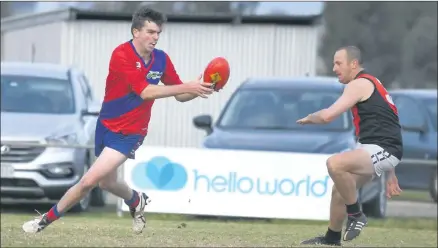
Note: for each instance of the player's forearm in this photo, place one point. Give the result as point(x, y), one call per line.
point(185, 97)
point(157, 91)
point(319, 117)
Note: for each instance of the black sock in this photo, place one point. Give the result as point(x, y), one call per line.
point(332, 236)
point(353, 209)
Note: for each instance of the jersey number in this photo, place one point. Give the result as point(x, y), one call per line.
point(387, 96)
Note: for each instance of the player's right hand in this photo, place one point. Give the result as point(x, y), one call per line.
point(199, 88)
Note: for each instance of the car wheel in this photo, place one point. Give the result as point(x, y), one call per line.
point(98, 197)
point(84, 203)
point(433, 187)
point(377, 207)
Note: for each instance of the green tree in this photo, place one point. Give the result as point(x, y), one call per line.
point(388, 34)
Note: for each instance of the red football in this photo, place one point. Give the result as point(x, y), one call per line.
point(217, 72)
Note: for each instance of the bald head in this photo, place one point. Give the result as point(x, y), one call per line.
point(353, 53)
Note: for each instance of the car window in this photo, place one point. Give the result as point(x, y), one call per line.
point(409, 112)
point(279, 109)
point(24, 94)
point(431, 107)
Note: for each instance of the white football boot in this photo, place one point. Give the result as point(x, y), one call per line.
point(137, 214)
point(36, 225)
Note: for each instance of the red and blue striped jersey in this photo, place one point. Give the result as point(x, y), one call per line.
point(123, 110)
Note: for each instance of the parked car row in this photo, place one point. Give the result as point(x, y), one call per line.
point(267, 109)
point(45, 104)
point(418, 117)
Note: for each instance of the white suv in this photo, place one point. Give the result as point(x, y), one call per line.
point(44, 106)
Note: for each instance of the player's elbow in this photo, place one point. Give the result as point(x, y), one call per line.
point(181, 98)
point(148, 96)
point(326, 117)
point(151, 92)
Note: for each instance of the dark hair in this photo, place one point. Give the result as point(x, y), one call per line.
point(146, 14)
point(352, 53)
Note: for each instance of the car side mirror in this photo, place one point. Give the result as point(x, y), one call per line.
point(415, 128)
point(92, 110)
point(204, 122)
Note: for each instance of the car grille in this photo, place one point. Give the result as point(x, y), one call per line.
point(7, 182)
point(16, 153)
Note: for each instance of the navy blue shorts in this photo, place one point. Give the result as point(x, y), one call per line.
point(125, 144)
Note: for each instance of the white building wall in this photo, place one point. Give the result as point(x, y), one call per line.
point(40, 43)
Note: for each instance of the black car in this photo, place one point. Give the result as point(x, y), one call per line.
point(262, 114)
point(417, 109)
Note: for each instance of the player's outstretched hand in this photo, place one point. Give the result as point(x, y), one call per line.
point(304, 121)
point(199, 88)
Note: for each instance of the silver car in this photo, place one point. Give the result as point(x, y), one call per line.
point(48, 116)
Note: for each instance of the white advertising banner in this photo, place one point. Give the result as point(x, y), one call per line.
point(231, 183)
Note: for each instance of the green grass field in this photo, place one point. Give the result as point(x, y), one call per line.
point(414, 195)
point(105, 230)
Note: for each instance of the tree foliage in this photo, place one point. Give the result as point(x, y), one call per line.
point(187, 8)
point(398, 39)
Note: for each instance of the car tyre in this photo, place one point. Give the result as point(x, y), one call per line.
point(377, 207)
point(98, 197)
point(433, 187)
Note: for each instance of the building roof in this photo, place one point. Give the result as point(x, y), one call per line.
point(70, 14)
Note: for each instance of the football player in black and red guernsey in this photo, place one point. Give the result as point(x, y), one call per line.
point(379, 144)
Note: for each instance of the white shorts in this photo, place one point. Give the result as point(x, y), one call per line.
point(382, 160)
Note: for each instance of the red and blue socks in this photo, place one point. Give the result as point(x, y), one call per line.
point(134, 201)
point(53, 214)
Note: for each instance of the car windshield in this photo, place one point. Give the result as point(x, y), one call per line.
point(24, 94)
point(280, 109)
point(431, 106)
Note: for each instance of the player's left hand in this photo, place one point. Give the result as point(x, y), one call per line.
point(304, 120)
point(392, 187)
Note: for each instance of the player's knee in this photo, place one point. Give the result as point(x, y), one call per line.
point(87, 183)
point(332, 164)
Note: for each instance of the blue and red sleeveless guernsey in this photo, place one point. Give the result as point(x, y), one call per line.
point(123, 110)
point(376, 119)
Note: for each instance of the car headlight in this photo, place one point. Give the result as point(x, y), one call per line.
point(66, 139)
point(58, 170)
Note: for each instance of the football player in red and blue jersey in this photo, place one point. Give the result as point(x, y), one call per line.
point(135, 69)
